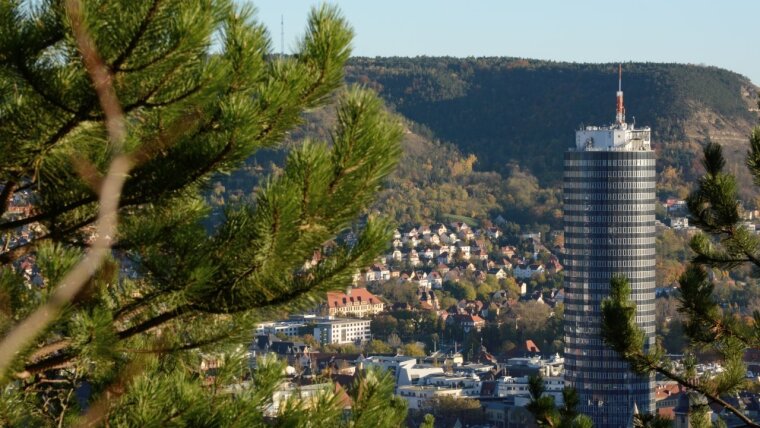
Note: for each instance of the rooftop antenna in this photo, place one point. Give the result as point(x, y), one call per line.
point(620, 116)
point(282, 35)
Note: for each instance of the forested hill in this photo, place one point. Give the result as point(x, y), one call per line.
point(486, 136)
point(526, 111)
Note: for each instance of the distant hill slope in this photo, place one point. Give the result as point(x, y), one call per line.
point(432, 182)
point(526, 111)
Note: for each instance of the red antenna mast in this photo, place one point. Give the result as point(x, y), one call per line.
point(620, 116)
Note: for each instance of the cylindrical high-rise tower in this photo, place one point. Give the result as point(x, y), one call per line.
point(609, 197)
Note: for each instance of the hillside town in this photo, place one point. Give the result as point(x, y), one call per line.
point(462, 316)
point(426, 312)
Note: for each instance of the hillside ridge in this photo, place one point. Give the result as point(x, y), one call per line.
point(514, 110)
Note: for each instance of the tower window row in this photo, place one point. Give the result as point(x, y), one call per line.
point(610, 162)
point(586, 230)
point(609, 185)
point(611, 218)
point(614, 173)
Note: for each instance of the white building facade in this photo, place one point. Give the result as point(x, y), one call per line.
point(342, 330)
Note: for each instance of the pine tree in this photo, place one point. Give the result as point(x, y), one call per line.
point(545, 410)
point(172, 92)
point(724, 243)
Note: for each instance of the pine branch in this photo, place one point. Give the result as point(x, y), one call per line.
point(181, 97)
point(117, 63)
point(33, 82)
point(620, 332)
point(246, 101)
point(155, 321)
point(30, 327)
point(346, 265)
point(696, 387)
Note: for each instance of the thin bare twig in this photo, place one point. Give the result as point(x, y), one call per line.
point(110, 193)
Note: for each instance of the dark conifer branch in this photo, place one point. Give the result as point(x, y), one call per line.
point(33, 82)
point(136, 38)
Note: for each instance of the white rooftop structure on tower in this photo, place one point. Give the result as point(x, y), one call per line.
point(619, 136)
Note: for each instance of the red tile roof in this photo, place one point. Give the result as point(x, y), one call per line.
point(356, 296)
point(531, 346)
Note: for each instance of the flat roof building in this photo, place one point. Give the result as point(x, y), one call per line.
point(342, 330)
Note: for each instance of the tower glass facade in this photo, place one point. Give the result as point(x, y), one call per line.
point(609, 200)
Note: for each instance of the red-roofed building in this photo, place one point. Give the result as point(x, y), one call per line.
point(467, 322)
point(355, 301)
point(531, 347)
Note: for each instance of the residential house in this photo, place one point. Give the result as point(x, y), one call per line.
point(414, 258)
point(437, 249)
point(436, 280)
point(412, 242)
point(377, 273)
point(427, 254)
point(432, 239)
point(464, 250)
point(459, 226)
point(469, 306)
point(451, 238)
point(428, 300)
point(444, 258)
point(466, 234)
point(406, 276)
point(467, 322)
point(525, 271)
point(499, 273)
point(467, 266)
point(479, 254)
point(508, 251)
point(422, 280)
point(493, 232)
point(438, 229)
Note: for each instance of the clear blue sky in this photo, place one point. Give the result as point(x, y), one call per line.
point(721, 33)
